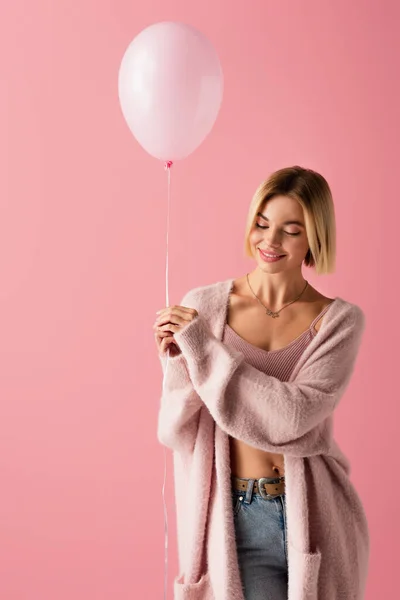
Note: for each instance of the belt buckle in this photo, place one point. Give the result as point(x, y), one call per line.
point(261, 488)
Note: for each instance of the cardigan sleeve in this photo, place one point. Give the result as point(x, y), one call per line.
point(180, 405)
point(260, 409)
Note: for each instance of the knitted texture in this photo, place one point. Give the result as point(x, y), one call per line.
point(210, 393)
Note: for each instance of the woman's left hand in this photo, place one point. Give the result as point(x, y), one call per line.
point(173, 318)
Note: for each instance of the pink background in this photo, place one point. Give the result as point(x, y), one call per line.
point(82, 265)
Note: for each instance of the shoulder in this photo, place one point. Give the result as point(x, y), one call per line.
point(353, 311)
point(344, 322)
point(348, 313)
point(339, 337)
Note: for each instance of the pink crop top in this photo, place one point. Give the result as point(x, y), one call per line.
point(277, 363)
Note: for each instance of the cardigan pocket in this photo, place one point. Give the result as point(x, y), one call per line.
point(201, 590)
point(303, 573)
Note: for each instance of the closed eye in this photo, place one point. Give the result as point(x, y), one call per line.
point(266, 227)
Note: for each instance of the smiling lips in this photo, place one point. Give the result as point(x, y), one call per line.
point(271, 254)
point(269, 258)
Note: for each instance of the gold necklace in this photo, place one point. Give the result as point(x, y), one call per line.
point(269, 312)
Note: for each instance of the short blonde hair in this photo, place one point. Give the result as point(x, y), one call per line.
point(312, 191)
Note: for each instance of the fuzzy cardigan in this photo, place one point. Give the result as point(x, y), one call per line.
point(210, 393)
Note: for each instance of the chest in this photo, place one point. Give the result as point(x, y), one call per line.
point(253, 324)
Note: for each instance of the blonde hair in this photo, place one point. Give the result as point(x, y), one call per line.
point(312, 192)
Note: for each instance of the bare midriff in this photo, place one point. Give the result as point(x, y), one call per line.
point(248, 319)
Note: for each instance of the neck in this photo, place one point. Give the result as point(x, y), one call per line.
point(276, 289)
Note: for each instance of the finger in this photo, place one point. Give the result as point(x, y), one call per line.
point(171, 320)
point(175, 318)
point(163, 334)
point(169, 328)
point(165, 343)
point(158, 341)
point(180, 311)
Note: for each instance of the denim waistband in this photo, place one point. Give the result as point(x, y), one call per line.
point(249, 491)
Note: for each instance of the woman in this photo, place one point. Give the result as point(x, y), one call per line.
point(256, 367)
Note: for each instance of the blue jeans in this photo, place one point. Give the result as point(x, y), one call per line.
point(261, 542)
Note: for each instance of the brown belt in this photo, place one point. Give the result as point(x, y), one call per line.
point(265, 486)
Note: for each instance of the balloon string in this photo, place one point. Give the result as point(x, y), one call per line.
point(167, 167)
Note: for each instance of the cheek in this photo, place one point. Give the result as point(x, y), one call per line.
point(255, 236)
point(300, 243)
point(296, 244)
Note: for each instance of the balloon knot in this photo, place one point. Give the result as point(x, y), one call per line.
point(168, 164)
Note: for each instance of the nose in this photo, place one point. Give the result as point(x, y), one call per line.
point(272, 238)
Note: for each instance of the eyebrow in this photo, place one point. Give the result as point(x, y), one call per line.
point(285, 223)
